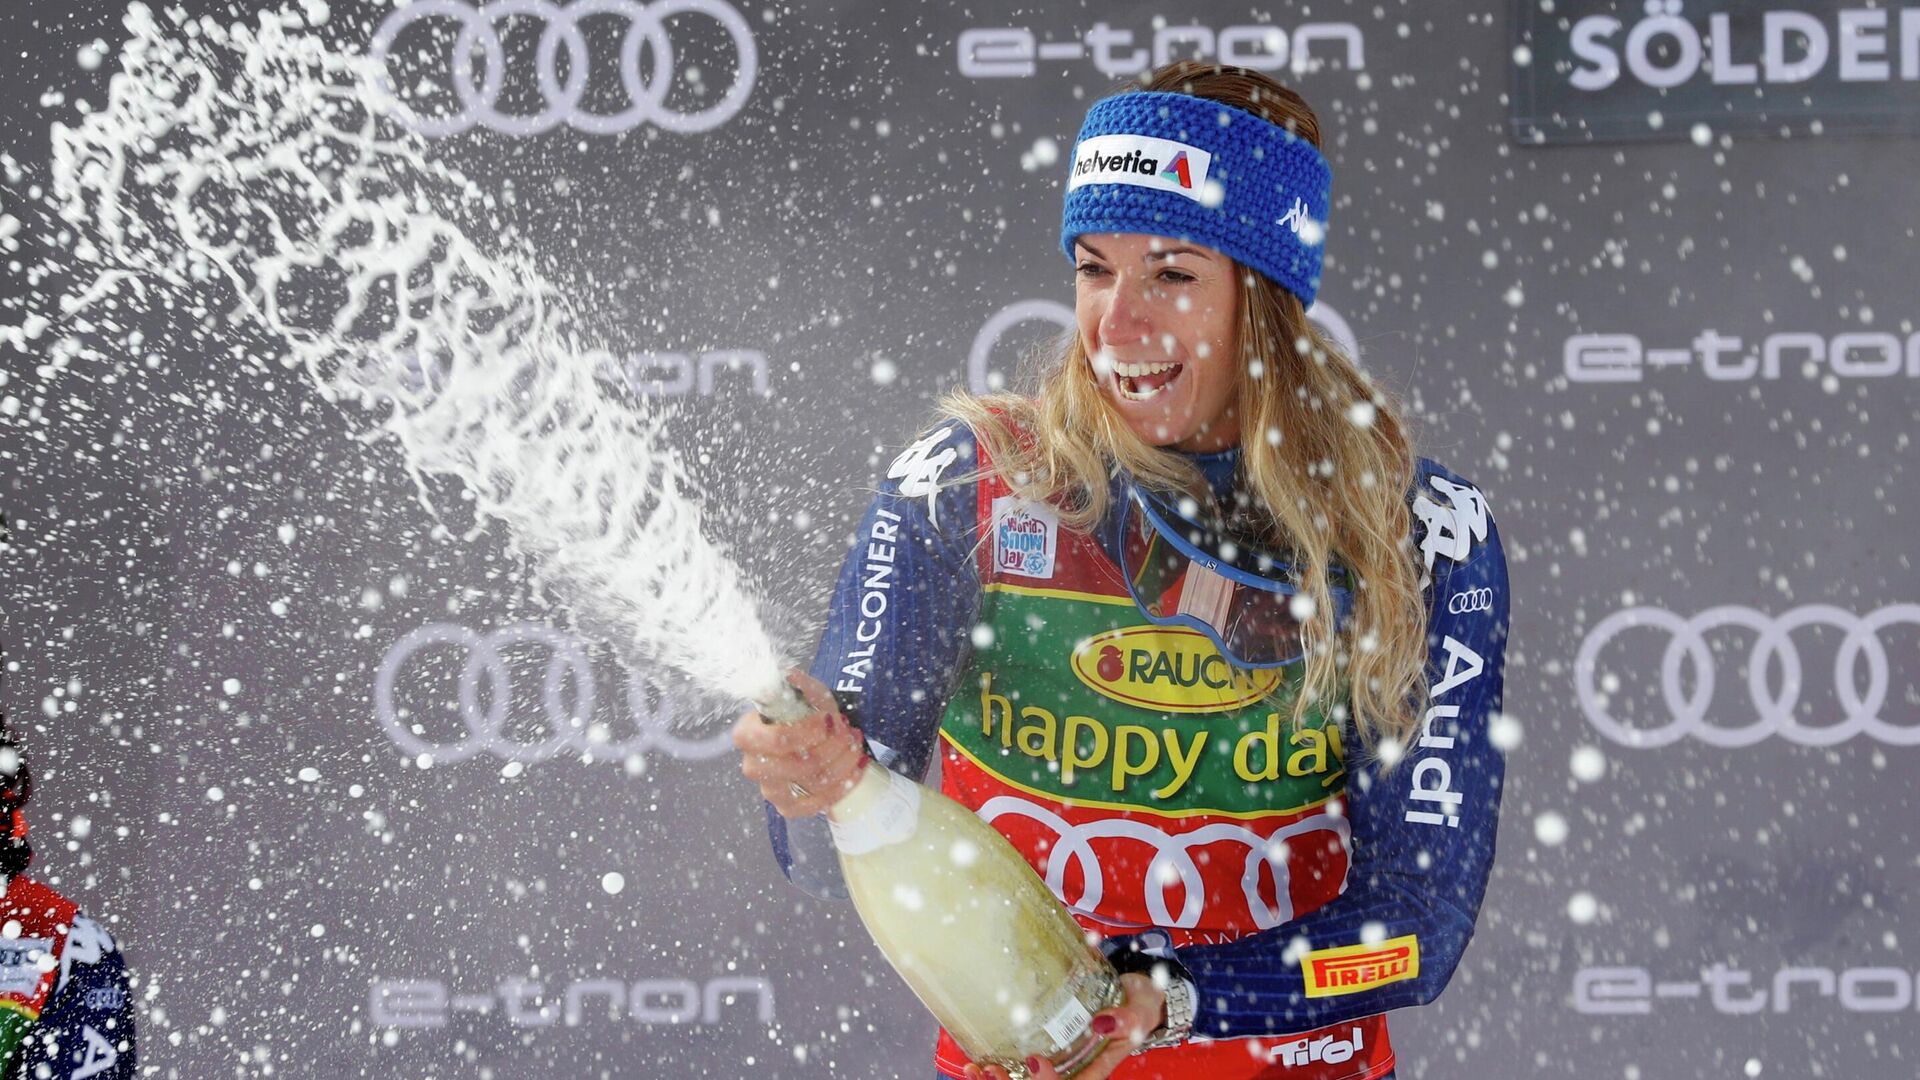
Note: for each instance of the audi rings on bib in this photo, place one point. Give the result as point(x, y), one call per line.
point(646, 26)
point(1687, 647)
point(1172, 860)
point(568, 730)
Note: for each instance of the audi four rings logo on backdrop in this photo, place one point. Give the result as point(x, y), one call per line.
point(1860, 676)
point(483, 687)
point(561, 65)
point(982, 379)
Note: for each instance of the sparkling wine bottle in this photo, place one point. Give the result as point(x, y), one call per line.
point(971, 928)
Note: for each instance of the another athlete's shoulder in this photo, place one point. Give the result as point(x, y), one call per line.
point(50, 925)
point(63, 979)
point(1451, 519)
point(41, 922)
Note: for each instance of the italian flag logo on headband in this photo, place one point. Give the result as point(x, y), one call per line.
point(1177, 170)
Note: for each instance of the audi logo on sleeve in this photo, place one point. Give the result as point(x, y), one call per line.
point(1468, 601)
point(487, 670)
point(1860, 678)
point(562, 68)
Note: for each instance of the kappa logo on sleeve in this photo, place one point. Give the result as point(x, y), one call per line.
point(918, 469)
point(1452, 530)
point(1353, 968)
point(1025, 537)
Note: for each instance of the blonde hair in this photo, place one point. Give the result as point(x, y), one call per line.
point(1324, 452)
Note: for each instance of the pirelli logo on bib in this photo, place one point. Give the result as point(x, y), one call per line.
point(1353, 968)
point(1161, 164)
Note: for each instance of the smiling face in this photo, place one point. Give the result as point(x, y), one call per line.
point(1158, 317)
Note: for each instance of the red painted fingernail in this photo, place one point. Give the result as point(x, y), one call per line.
point(1104, 1024)
point(1033, 1064)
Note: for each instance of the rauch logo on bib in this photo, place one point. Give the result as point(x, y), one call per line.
point(1171, 668)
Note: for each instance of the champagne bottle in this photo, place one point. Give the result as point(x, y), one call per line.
point(967, 923)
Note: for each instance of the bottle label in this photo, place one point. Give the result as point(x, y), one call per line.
point(1068, 1022)
point(891, 819)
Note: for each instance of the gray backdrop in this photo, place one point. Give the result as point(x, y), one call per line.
point(1684, 367)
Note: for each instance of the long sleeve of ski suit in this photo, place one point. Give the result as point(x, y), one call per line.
point(1422, 832)
point(898, 629)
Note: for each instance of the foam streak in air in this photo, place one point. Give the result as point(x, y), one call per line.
point(262, 165)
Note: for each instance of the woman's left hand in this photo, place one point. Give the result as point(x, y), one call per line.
point(1142, 1009)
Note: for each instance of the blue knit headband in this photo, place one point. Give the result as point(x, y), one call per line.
point(1185, 167)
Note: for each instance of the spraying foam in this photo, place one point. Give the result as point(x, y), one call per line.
point(264, 163)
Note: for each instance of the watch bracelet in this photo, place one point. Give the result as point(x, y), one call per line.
point(1179, 984)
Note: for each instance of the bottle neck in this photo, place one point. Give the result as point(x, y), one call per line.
point(866, 794)
point(883, 809)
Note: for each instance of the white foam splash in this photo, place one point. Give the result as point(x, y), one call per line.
point(261, 163)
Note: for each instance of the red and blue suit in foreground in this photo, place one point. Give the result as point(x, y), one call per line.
point(1302, 891)
point(65, 1009)
point(66, 1012)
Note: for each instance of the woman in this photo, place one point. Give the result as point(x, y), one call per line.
point(1247, 743)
